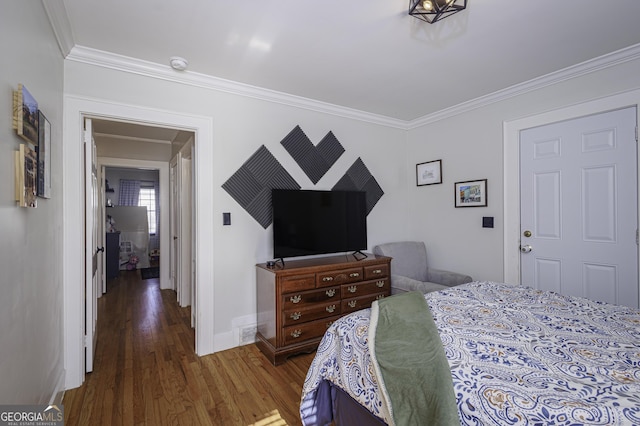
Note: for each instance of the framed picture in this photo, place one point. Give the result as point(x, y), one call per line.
point(471, 193)
point(429, 173)
point(44, 156)
point(25, 176)
point(25, 115)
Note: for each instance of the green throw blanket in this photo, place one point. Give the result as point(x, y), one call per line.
point(412, 368)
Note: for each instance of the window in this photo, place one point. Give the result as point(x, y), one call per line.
point(148, 200)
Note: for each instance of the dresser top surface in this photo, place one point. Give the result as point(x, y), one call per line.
point(326, 262)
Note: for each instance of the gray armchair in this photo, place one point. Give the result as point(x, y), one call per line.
point(409, 270)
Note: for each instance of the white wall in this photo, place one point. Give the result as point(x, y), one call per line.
point(31, 308)
point(471, 147)
point(240, 126)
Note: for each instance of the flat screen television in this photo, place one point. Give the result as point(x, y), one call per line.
point(318, 222)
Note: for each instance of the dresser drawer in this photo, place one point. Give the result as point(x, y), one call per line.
point(365, 288)
point(298, 283)
point(308, 330)
point(300, 299)
point(298, 316)
point(376, 271)
point(357, 303)
point(339, 277)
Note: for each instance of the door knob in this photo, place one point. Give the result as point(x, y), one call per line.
point(525, 249)
point(99, 249)
point(527, 233)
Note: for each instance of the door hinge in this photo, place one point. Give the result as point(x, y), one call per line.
point(636, 133)
point(636, 237)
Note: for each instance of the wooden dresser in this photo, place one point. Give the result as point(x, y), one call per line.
point(298, 302)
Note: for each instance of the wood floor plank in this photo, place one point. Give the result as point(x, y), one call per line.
point(146, 371)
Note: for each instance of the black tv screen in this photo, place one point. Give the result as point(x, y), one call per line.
point(318, 222)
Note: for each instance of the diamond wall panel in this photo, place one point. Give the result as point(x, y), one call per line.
point(252, 183)
point(314, 161)
point(358, 178)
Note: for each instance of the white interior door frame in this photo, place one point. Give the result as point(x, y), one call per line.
point(511, 166)
point(75, 108)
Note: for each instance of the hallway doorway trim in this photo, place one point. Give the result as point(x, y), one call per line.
point(75, 109)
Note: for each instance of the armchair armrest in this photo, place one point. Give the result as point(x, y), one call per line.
point(401, 284)
point(447, 278)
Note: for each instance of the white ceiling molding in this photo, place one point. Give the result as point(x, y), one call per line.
point(593, 65)
point(59, 20)
point(150, 69)
point(164, 72)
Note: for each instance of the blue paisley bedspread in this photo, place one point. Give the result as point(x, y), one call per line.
point(517, 356)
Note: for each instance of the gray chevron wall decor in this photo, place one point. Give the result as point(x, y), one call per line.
point(358, 178)
point(251, 185)
point(314, 161)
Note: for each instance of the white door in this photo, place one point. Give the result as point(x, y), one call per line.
point(173, 255)
point(578, 207)
point(184, 235)
point(92, 286)
point(103, 220)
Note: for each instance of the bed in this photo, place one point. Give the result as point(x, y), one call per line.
point(514, 355)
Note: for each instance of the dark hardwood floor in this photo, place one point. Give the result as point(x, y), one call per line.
point(146, 371)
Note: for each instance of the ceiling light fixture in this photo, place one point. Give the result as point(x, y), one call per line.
point(178, 63)
point(432, 11)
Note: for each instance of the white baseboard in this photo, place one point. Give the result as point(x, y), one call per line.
point(58, 393)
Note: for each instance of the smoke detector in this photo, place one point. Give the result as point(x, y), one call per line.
point(178, 63)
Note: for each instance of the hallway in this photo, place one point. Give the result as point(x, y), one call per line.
point(146, 371)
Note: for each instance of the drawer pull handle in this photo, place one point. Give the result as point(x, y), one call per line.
point(296, 316)
point(331, 308)
point(296, 333)
point(380, 296)
point(331, 292)
point(376, 271)
point(353, 304)
point(327, 279)
point(380, 284)
point(352, 288)
point(354, 274)
point(296, 299)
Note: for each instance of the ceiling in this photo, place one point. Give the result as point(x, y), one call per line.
point(369, 56)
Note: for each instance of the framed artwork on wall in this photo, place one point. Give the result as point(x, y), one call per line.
point(26, 165)
point(471, 193)
point(44, 156)
point(25, 115)
point(429, 173)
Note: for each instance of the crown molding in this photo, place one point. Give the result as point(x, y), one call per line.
point(59, 20)
point(165, 72)
point(602, 62)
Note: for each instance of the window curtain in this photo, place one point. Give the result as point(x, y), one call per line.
point(129, 192)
